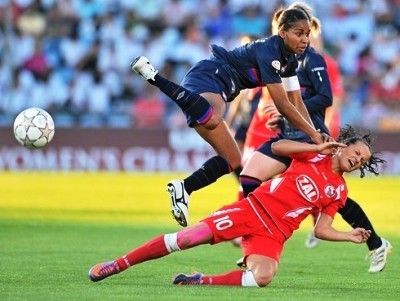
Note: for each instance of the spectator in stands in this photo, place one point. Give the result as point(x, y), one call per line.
point(148, 109)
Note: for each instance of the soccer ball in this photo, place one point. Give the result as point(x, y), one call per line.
point(34, 128)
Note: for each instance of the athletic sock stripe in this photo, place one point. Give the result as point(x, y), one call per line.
point(223, 164)
point(206, 117)
point(249, 180)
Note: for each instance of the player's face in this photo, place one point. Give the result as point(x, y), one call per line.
point(297, 37)
point(354, 156)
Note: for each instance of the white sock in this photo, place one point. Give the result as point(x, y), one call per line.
point(248, 279)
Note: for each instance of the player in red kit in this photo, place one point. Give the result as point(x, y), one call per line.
point(268, 217)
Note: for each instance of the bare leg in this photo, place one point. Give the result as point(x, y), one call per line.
point(259, 168)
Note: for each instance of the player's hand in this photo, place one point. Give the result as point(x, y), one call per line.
point(322, 137)
point(327, 138)
point(275, 119)
point(329, 148)
point(359, 235)
point(274, 123)
point(271, 110)
point(318, 138)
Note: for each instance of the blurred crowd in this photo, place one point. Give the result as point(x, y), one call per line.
point(72, 57)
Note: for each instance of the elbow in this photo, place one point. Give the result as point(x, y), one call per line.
point(319, 233)
point(275, 148)
point(325, 100)
point(328, 101)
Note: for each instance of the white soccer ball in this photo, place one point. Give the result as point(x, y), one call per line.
point(34, 128)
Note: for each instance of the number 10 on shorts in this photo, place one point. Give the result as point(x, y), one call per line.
point(223, 223)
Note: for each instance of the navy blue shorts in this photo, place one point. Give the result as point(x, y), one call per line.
point(265, 149)
point(207, 76)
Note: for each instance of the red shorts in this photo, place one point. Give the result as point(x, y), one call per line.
point(259, 234)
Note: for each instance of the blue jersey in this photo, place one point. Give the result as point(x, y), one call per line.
point(316, 92)
point(252, 65)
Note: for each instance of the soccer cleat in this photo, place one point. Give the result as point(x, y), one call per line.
point(240, 263)
point(311, 241)
point(103, 270)
point(179, 202)
point(141, 65)
point(378, 256)
point(193, 279)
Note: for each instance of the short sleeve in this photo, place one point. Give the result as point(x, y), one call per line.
point(268, 64)
point(333, 207)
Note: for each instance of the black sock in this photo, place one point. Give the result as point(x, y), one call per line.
point(237, 171)
point(355, 216)
point(209, 172)
point(249, 184)
point(191, 103)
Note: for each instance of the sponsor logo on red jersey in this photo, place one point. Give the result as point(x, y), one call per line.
point(307, 188)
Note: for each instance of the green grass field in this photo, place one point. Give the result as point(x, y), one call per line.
point(55, 226)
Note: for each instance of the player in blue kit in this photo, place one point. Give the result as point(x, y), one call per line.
point(264, 164)
point(210, 84)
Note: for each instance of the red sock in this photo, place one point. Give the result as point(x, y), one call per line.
point(153, 249)
point(230, 278)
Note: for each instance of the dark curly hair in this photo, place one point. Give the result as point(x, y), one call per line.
point(349, 135)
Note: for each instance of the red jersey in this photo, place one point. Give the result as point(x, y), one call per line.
point(308, 184)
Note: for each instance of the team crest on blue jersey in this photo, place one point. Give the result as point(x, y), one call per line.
point(329, 191)
point(276, 65)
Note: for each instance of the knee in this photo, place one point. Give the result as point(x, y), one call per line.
point(235, 162)
point(263, 278)
point(263, 268)
point(213, 122)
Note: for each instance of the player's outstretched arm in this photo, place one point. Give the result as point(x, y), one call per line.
point(288, 147)
point(324, 230)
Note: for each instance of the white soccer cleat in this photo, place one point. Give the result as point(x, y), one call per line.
point(179, 202)
point(240, 263)
point(378, 257)
point(311, 241)
point(141, 65)
point(237, 242)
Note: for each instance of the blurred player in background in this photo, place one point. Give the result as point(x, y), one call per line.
point(210, 84)
point(269, 216)
point(317, 95)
